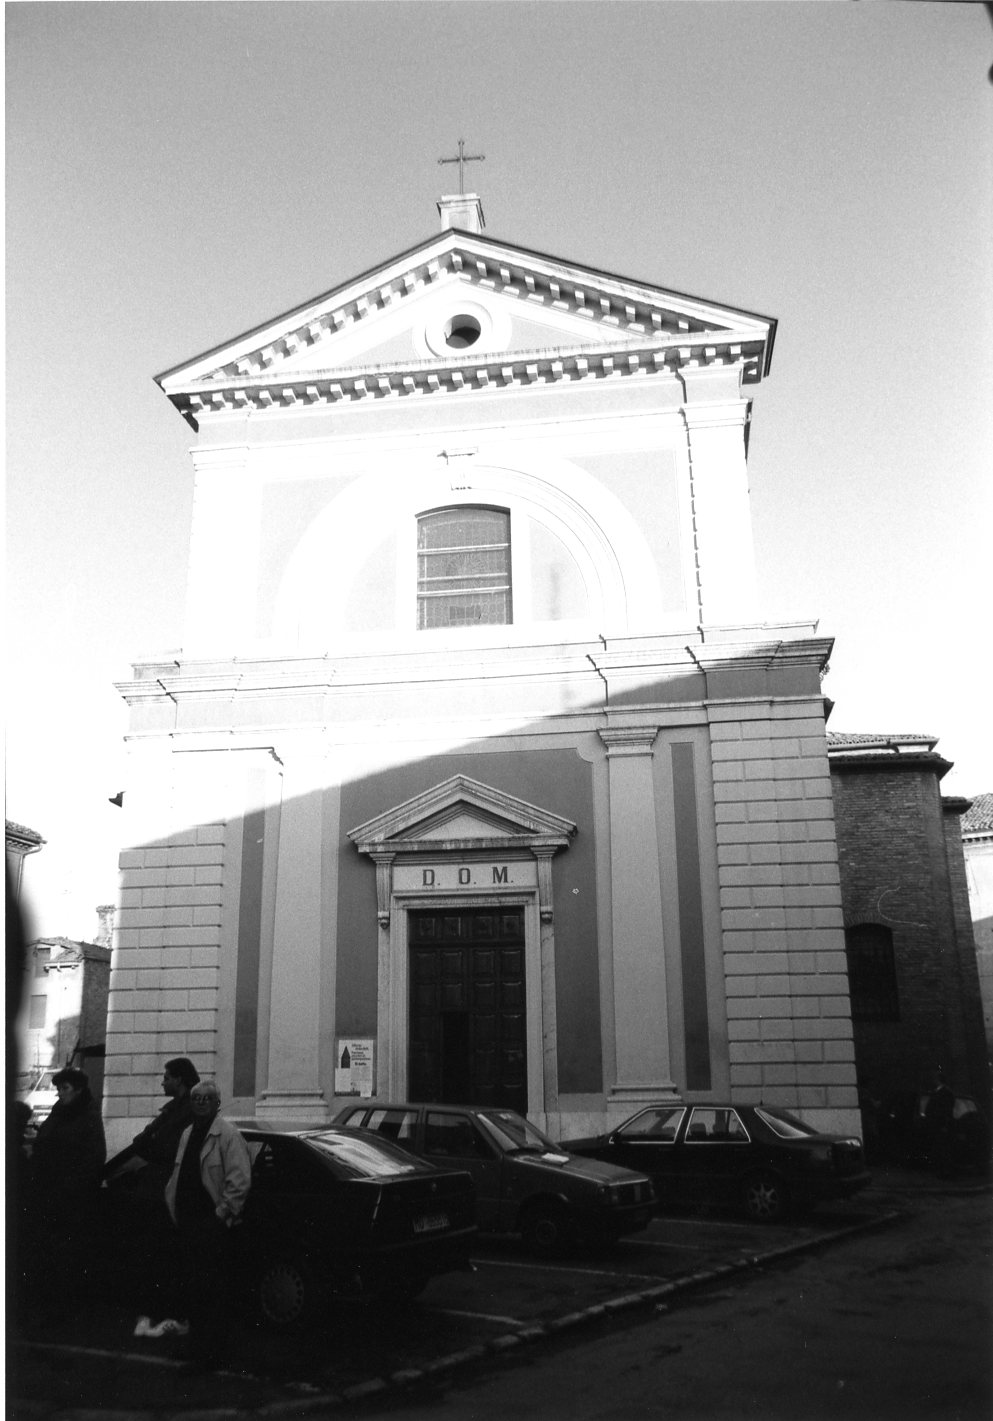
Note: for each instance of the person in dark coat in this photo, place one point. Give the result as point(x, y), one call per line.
point(137, 1177)
point(150, 1155)
point(939, 1107)
point(67, 1160)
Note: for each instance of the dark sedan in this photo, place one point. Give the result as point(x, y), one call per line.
point(524, 1183)
point(332, 1213)
point(759, 1157)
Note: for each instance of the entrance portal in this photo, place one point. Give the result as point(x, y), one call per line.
point(468, 1010)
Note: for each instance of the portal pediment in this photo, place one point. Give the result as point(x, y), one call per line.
point(462, 813)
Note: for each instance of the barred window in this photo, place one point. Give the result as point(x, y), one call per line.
point(871, 973)
point(463, 567)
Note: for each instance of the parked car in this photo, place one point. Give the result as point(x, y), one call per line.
point(37, 1092)
point(759, 1157)
point(957, 1138)
point(337, 1213)
point(524, 1183)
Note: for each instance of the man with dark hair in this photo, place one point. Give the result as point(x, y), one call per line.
point(139, 1174)
point(155, 1146)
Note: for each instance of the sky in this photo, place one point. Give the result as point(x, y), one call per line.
point(177, 173)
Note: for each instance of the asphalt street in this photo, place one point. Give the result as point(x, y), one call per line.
point(890, 1325)
point(513, 1313)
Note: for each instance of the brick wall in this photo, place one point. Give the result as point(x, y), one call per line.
point(970, 1025)
point(894, 859)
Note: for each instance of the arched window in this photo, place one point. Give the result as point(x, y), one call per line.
point(871, 973)
point(463, 567)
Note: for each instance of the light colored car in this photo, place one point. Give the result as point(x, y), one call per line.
point(39, 1093)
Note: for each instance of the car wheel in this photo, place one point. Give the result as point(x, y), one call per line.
point(284, 1294)
point(764, 1198)
point(545, 1229)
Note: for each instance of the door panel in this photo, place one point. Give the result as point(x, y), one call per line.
point(716, 1152)
point(456, 1142)
point(468, 1017)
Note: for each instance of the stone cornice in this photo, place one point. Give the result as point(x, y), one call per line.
point(906, 763)
point(622, 658)
point(955, 804)
point(225, 393)
point(629, 739)
point(22, 840)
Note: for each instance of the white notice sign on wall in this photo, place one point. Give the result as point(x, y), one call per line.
point(353, 1071)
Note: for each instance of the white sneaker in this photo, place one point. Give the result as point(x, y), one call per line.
point(143, 1327)
point(174, 1328)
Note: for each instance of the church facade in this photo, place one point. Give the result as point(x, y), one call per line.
point(480, 776)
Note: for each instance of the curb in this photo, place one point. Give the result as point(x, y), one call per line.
point(496, 1347)
point(537, 1332)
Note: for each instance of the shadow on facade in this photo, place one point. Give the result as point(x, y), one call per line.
point(257, 937)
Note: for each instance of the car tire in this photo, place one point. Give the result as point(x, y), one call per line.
point(546, 1229)
point(284, 1294)
point(764, 1198)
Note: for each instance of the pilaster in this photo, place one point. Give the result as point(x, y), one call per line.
point(641, 1029)
point(716, 418)
point(293, 1089)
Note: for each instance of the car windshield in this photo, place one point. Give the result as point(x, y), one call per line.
point(364, 1158)
point(787, 1126)
point(512, 1132)
point(42, 1082)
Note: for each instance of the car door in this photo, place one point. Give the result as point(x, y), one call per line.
point(647, 1142)
point(715, 1153)
point(453, 1140)
point(294, 1203)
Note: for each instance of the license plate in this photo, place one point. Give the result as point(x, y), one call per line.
point(430, 1222)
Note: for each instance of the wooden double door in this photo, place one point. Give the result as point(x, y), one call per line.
point(468, 1008)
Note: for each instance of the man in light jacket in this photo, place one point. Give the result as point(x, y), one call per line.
point(205, 1197)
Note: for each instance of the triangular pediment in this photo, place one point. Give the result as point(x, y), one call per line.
point(462, 308)
point(461, 812)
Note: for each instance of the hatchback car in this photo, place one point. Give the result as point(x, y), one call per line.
point(759, 1157)
point(524, 1183)
point(334, 1213)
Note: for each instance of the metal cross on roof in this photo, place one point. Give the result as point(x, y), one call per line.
point(462, 159)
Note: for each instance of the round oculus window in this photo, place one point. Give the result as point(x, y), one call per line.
point(461, 331)
point(461, 326)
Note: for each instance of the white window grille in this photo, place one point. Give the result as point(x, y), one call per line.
point(463, 567)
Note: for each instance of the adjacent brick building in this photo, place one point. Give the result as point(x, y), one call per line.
point(914, 984)
point(977, 843)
